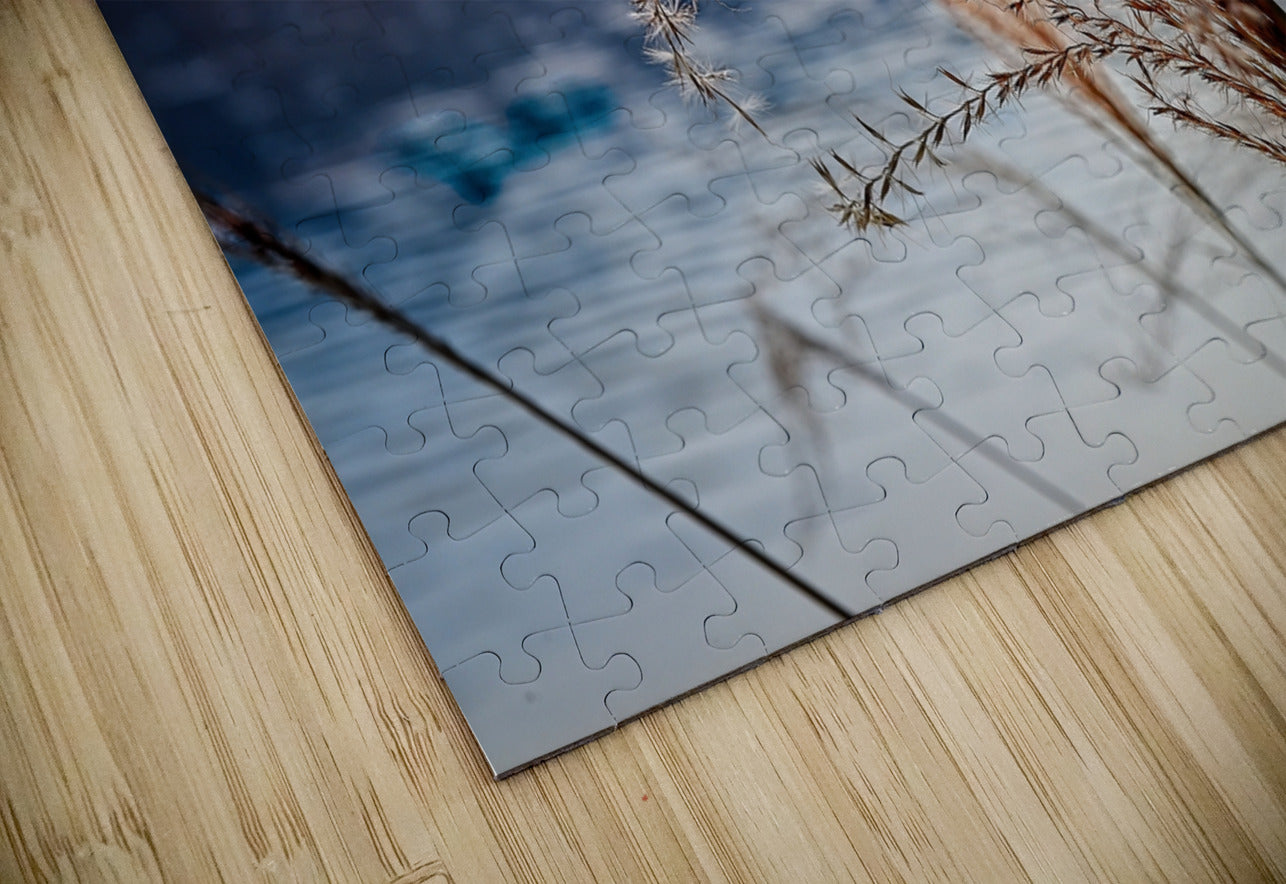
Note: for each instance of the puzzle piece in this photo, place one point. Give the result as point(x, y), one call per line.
point(779, 271)
point(520, 723)
point(827, 562)
point(696, 369)
point(722, 472)
point(1093, 325)
point(768, 608)
point(1153, 415)
point(792, 377)
point(1030, 496)
point(462, 618)
point(488, 245)
point(679, 663)
point(1186, 316)
point(978, 400)
point(627, 525)
point(881, 291)
point(489, 330)
point(1085, 159)
point(285, 317)
point(549, 460)
point(791, 355)
point(1039, 224)
point(475, 39)
point(665, 220)
point(918, 517)
point(582, 266)
point(388, 490)
point(1249, 394)
point(876, 419)
point(1266, 212)
point(352, 348)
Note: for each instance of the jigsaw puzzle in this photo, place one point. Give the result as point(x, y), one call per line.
point(864, 415)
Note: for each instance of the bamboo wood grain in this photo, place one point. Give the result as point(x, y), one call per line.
point(205, 674)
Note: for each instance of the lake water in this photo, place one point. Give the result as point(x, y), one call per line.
point(872, 412)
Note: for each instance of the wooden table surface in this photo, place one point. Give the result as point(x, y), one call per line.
point(204, 671)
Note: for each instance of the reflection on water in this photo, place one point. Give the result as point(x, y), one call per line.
point(514, 177)
point(474, 158)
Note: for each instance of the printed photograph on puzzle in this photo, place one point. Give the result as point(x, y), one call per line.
point(650, 340)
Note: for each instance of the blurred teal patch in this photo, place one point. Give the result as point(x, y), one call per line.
point(475, 158)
